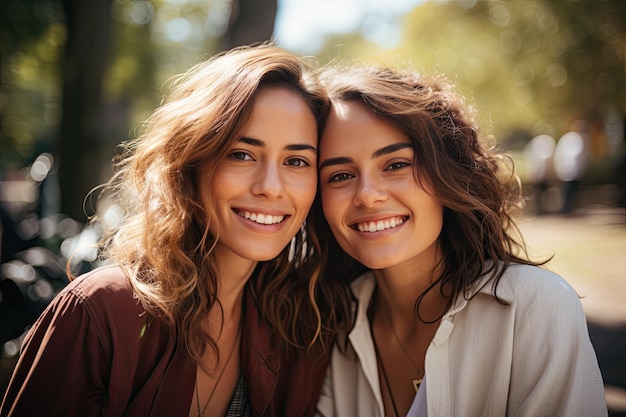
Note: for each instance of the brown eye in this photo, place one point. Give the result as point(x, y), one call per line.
point(240, 156)
point(396, 165)
point(298, 162)
point(342, 176)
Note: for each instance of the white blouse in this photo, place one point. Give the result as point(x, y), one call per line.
point(529, 357)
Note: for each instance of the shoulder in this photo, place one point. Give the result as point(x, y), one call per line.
point(104, 283)
point(537, 291)
point(96, 304)
point(104, 294)
point(110, 277)
point(533, 281)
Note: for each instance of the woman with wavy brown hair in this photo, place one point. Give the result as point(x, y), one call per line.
point(210, 304)
point(452, 317)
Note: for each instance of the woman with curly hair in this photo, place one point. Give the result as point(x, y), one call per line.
point(452, 317)
point(210, 304)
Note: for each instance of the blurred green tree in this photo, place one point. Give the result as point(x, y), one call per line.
point(79, 75)
point(531, 67)
point(29, 89)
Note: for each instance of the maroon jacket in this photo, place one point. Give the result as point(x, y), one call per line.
point(96, 352)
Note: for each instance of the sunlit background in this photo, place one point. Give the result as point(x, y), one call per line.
point(548, 78)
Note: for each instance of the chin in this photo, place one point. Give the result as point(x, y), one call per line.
point(374, 258)
point(267, 258)
point(264, 257)
point(257, 256)
point(377, 265)
point(372, 262)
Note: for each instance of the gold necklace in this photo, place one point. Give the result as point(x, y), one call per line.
point(417, 381)
point(219, 377)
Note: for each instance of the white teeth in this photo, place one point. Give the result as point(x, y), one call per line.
point(262, 218)
point(380, 225)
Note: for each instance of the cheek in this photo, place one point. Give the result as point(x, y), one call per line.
point(207, 196)
point(312, 189)
point(434, 212)
point(303, 190)
point(211, 192)
point(206, 190)
point(331, 207)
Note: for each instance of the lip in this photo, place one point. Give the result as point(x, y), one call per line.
point(379, 225)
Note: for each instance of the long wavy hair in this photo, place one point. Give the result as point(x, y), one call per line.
point(164, 242)
point(472, 178)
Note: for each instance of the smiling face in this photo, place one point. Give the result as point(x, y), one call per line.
point(263, 188)
point(377, 210)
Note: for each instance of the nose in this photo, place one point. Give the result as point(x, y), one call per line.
point(268, 182)
point(369, 192)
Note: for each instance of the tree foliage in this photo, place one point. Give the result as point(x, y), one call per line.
point(531, 67)
point(80, 75)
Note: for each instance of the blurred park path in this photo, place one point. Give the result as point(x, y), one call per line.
point(589, 251)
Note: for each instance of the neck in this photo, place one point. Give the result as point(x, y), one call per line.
point(234, 273)
point(399, 288)
point(230, 293)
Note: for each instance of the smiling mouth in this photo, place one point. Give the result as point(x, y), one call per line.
point(260, 218)
point(379, 225)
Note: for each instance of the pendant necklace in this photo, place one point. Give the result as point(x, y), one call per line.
point(417, 381)
point(219, 377)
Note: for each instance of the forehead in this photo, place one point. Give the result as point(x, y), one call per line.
point(352, 127)
point(350, 111)
point(272, 98)
point(281, 114)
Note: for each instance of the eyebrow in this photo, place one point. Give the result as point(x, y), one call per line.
point(341, 160)
point(391, 149)
point(291, 147)
point(386, 150)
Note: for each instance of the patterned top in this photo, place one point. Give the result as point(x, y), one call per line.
point(239, 404)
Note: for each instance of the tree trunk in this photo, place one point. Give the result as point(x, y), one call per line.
point(81, 142)
point(250, 21)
